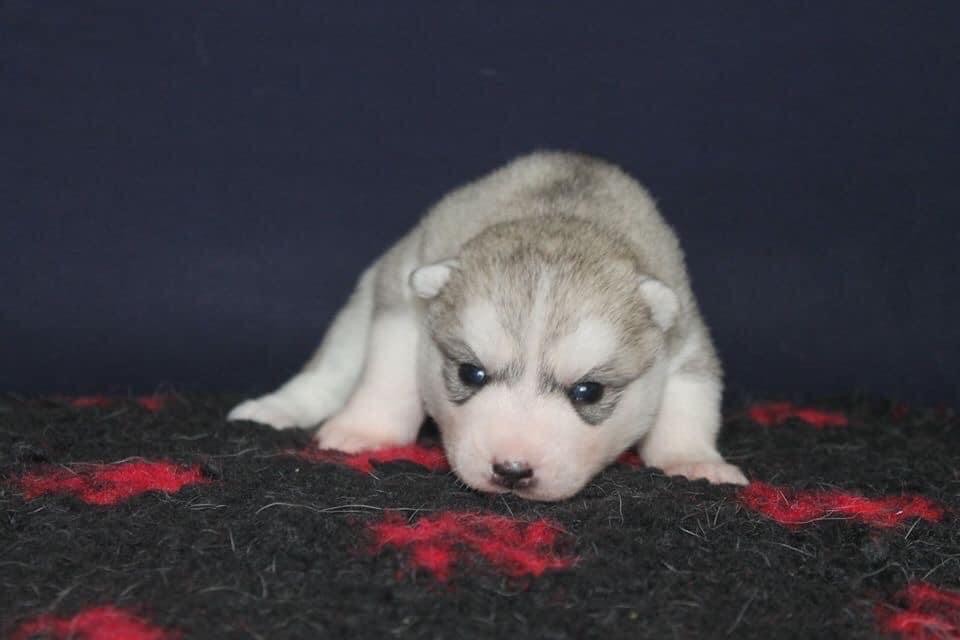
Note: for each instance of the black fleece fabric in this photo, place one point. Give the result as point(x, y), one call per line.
point(273, 545)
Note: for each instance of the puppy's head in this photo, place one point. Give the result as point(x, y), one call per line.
point(545, 356)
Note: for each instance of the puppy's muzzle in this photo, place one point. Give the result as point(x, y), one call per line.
point(513, 474)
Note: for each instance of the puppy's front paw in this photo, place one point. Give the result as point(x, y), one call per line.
point(349, 435)
point(714, 471)
point(269, 410)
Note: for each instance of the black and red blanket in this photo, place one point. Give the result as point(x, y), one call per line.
point(154, 518)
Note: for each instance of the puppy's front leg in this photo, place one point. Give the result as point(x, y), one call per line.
point(683, 439)
point(385, 408)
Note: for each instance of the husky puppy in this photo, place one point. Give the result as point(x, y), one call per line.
point(543, 317)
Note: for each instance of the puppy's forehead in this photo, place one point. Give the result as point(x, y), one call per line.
point(483, 329)
point(587, 343)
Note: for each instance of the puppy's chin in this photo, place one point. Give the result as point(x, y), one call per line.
point(545, 493)
point(549, 494)
point(540, 492)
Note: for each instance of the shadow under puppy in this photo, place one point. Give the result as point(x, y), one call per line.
point(543, 317)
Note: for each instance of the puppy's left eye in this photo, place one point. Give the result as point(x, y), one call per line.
point(585, 393)
point(472, 375)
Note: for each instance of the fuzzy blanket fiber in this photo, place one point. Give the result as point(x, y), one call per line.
point(153, 518)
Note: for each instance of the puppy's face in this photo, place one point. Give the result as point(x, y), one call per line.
point(537, 384)
point(539, 418)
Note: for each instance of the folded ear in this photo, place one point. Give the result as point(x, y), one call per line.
point(428, 280)
point(663, 302)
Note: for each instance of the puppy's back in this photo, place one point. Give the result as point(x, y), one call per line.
point(549, 183)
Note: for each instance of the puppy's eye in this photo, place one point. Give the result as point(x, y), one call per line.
point(472, 375)
point(585, 392)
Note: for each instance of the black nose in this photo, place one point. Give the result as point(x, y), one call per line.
point(512, 474)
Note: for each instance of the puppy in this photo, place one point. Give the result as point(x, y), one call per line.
point(543, 317)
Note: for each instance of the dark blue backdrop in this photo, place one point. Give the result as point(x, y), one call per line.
point(188, 191)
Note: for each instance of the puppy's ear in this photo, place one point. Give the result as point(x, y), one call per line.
point(663, 302)
point(428, 280)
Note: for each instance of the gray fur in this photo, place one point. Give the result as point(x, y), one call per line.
point(581, 219)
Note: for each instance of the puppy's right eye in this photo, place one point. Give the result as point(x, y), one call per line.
point(585, 393)
point(472, 375)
